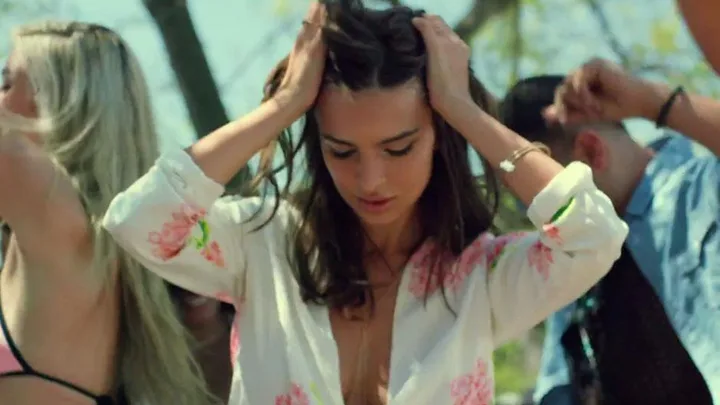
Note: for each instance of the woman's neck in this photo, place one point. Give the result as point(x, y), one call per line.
point(394, 238)
point(210, 331)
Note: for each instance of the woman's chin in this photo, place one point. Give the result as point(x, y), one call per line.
point(198, 310)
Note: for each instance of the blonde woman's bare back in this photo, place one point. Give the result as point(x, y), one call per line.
point(58, 317)
point(60, 332)
point(82, 322)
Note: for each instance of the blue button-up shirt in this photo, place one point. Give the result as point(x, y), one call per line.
point(674, 221)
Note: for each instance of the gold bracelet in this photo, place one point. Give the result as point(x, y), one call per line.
point(508, 165)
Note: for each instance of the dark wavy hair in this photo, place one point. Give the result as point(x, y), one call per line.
point(368, 49)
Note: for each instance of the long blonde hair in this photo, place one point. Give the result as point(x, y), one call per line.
point(91, 93)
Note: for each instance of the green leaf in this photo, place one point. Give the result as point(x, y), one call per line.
point(282, 7)
point(205, 232)
point(511, 374)
point(663, 34)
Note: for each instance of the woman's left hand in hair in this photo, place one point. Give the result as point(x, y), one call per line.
point(448, 72)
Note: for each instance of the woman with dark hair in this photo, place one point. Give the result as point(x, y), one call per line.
point(381, 283)
point(209, 322)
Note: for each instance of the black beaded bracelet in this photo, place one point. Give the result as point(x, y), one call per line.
point(665, 109)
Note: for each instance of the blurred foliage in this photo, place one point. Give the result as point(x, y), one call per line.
point(511, 374)
point(510, 216)
point(538, 39)
point(663, 34)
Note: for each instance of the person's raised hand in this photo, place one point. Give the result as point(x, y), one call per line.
point(303, 75)
point(601, 91)
point(448, 73)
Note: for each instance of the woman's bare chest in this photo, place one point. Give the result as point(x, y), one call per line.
point(364, 351)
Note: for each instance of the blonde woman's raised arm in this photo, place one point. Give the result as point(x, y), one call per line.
point(38, 201)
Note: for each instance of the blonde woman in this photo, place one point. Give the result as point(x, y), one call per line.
point(209, 323)
point(81, 321)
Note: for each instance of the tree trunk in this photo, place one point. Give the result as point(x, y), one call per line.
point(192, 72)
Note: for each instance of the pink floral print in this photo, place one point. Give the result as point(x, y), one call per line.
point(485, 249)
point(178, 232)
point(475, 253)
point(175, 233)
point(296, 396)
point(426, 276)
point(553, 233)
point(540, 257)
point(474, 388)
point(225, 297)
point(423, 279)
point(423, 257)
point(455, 270)
point(497, 246)
point(235, 331)
point(234, 342)
point(211, 252)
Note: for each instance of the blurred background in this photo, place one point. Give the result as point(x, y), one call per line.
point(206, 61)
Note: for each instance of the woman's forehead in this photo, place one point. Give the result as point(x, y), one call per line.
point(377, 112)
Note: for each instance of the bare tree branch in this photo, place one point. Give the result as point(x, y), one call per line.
point(262, 45)
point(599, 13)
point(516, 42)
point(480, 12)
point(188, 61)
point(191, 68)
point(651, 68)
point(625, 57)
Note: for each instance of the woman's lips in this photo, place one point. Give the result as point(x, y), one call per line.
point(375, 204)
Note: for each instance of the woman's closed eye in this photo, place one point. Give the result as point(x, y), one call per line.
point(344, 154)
point(400, 152)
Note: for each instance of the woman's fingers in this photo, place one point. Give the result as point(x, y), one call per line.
point(313, 23)
point(317, 14)
point(431, 24)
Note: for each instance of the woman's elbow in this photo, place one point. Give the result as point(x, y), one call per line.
point(609, 236)
point(120, 218)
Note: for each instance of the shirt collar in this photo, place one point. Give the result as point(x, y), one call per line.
point(671, 151)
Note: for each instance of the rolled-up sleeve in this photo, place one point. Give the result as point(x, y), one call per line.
point(173, 221)
point(578, 238)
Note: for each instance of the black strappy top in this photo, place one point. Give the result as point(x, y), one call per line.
point(26, 370)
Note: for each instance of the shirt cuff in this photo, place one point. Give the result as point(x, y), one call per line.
point(188, 180)
point(575, 178)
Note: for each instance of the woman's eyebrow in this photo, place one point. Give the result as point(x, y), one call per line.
point(394, 138)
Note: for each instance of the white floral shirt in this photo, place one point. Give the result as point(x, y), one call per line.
point(173, 221)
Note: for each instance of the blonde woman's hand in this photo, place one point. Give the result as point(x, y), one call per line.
point(301, 83)
point(448, 73)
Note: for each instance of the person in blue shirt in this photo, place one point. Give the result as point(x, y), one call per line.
point(649, 332)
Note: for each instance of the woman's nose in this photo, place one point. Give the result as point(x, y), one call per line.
point(370, 174)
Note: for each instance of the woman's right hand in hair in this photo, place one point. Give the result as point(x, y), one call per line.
point(225, 151)
point(301, 82)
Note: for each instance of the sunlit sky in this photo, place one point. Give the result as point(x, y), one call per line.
point(243, 39)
